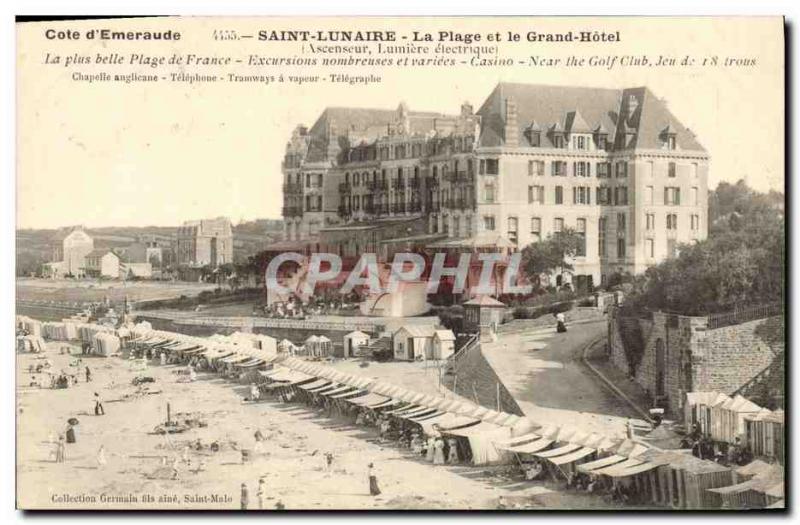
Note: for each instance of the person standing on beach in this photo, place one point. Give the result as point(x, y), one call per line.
point(61, 454)
point(101, 457)
point(98, 406)
point(88, 375)
point(245, 497)
point(262, 493)
point(374, 490)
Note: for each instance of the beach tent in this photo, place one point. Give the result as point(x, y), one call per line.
point(728, 418)
point(30, 343)
point(32, 326)
point(105, 344)
point(353, 341)
point(480, 438)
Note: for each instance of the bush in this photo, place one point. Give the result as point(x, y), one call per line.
point(527, 312)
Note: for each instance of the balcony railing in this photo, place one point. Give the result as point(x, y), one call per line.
point(398, 184)
point(432, 182)
point(377, 186)
point(460, 203)
point(415, 207)
point(414, 183)
point(399, 207)
point(345, 187)
point(434, 206)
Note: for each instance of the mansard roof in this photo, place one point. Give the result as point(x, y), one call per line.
point(602, 107)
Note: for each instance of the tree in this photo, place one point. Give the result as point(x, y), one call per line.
point(741, 263)
point(551, 254)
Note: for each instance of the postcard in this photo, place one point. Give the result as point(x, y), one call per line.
point(474, 263)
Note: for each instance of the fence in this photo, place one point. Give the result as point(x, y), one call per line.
point(744, 314)
point(189, 318)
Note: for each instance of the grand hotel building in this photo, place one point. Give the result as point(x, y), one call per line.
point(614, 165)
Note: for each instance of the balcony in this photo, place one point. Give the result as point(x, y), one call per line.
point(399, 207)
point(432, 182)
point(433, 206)
point(464, 177)
point(460, 203)
point(415, 207)
point(414, 184)
point(292, 211)
point(398, 184)
point(345, 187)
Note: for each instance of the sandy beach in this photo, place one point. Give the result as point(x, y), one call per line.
point(138, 467)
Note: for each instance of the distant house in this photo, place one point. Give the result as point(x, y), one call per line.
point(353, 341)
point(102, 262)
point(69, 247)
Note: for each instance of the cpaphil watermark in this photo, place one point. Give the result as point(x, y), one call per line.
point(482, 273)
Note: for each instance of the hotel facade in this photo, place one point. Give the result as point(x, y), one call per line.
point(613, 165)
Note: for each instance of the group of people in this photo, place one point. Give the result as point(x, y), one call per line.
point(727, 454)
point(296, 309)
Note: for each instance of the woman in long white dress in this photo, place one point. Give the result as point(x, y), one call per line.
point(438, 451)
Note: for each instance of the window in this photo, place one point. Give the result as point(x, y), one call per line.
point(622, 169)
point(558, 225)
point(602, 141)
point(489, 193)
point(492, 166)
point(671, 170)
point(672, 221)
point(536, 229)
point(535, 139)
point(695, 222)
point(649, 248)
point(536, 194)
point(581, 142)
point(481, 167)
point(580, 229)
point(456, 226)
point(513, 225)
point(581, 195)
point(445, 225)
point(601, 237)
point(603, 195)
point(650, 220)
point(671, 142)
point(488, 223)
point(468, 226)
point(621, 196)
point(559, 195)
point(695, 201)
point(559, 168)
point(621, 248)
point(603, 170)
point(693, 169)
point(672, 195)
point(535, 168)
point(558, 141)
point(648, 195)
point(582, 169)
point(434, 224)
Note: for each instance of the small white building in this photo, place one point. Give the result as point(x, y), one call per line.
point(353, 341)
point(102, 263)
point(444, 344)
point(412, 342)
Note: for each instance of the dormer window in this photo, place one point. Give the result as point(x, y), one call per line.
point(558, 141)
point(668, 136)
point(535, 138)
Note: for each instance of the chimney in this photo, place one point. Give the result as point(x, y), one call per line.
point(511, 130)
point(333, 142)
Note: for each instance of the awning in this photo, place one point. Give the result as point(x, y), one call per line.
point(465, 431)
point(529, 448)
point(570, 447)
point(251, 364)
point(368, 399)
point(572, 456)
point(416, 413)
point(344, 394)
point(299, 377)
point(619, 467)
point(385, 404)
point(236, 358)
point(330, 387)
point(402, 410)
point(319, 383)
point(517, 441)
point(338, 390)
point(426, 417)
point(600, 463)
point(632, 471)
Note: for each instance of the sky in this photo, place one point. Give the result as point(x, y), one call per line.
point(116, 154)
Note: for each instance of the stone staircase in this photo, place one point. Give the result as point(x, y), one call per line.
point(766, 388)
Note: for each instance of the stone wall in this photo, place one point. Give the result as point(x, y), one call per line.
point(695, 359)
